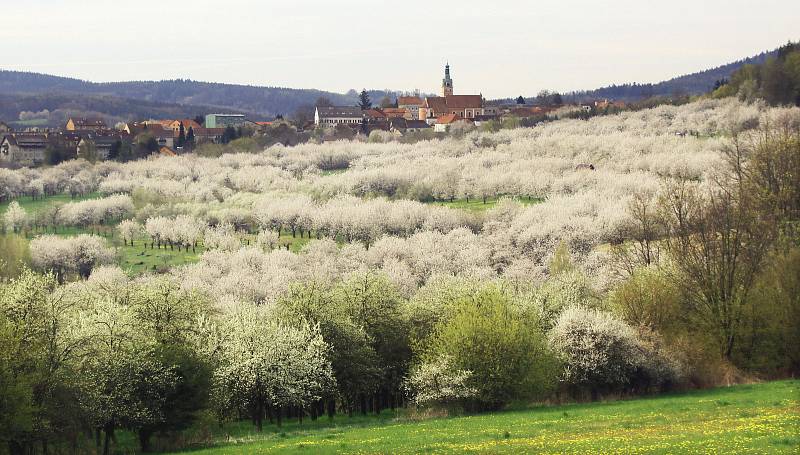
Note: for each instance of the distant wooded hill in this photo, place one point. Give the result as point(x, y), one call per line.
point(53, 109)
point(264, 101)
point(34, 92)
point(689, 84)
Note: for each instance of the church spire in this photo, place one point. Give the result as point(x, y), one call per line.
point(447, 82)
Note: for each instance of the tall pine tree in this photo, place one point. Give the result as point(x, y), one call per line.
point(190, 138)
point(181, 136)
point(363, 100)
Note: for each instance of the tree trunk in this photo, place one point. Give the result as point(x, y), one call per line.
point(144, 439)
point(15, 448)
point(331, 408)
point(107, 440)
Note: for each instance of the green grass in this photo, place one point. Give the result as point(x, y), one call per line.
point(36, 205)
point(477, 205)
point(759, 418)
point(139, 258)
point(30, 123)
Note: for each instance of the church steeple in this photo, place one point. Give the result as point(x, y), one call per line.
point(447, 82)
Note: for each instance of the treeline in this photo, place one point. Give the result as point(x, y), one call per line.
point(776, 80)
point(263, 101)
point(690, 84)
point(56, 108)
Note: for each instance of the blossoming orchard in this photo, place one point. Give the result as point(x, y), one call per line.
point(467, 274)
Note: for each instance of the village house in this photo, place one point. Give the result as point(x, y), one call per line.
point(329, 117)
point(411, 105)
point(85, 124)
point(175, 126)
point(225, 120)
point(23, 149)
point(214, 135)
point(395, 112)
point(402, 125)
point(164, 136)
point(447, 121)
point(100, 145)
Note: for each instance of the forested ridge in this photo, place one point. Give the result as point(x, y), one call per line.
point(265, 101)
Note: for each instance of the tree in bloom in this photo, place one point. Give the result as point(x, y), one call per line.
point(36, 353)
point(267, 240)
point(122, 381)
point(222, 237)
point(439, 382)
point(599, 352)
point(129, 230)
point(263, 365)
point(15, 217)
point(63, 255)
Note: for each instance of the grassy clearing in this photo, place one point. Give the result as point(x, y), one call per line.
point(759, 418)
point(36, 205)
point(477, 205)
point(134, 259)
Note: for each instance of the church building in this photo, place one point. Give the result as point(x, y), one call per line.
point(464, 106)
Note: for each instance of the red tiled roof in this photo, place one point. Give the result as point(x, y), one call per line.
point(409, 100)
point(447, 119)
point(374, 113)
point(394, 111)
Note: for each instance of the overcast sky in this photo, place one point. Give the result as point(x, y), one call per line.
point(499, 48)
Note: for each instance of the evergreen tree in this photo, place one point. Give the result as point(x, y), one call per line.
point(113, 152)
point(520, 100)
point(363, 100)
point(190, 138)
point(181, 136)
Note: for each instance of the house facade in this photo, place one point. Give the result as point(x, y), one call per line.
point(411, 104)
point(99, 144)
point(329, 117)
point(23, 149)
point(85, 124)
point(224, 120)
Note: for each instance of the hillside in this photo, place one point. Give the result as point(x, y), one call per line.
point(265, 101)
point(53, 109)
point(757, 418)
point(688, 84)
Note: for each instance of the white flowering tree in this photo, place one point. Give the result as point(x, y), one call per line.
point(263, 365)
point(130, 230)
point(15, 217)
point(122, 381)
point(599, 352)
point(63, 255)
point(439, 382)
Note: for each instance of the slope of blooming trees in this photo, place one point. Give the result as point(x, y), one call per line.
point(397, 295)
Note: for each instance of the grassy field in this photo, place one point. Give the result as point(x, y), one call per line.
point(137, 258)
point(758, 418)
point(477, 205)
point(35, 205)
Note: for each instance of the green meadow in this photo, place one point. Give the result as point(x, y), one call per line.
point(756, 418)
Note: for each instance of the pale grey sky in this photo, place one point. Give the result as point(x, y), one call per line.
point(499, 48)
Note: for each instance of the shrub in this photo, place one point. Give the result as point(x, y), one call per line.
point(600, 353)
point(506, 355)
point(648, 298)
point(439, 383)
